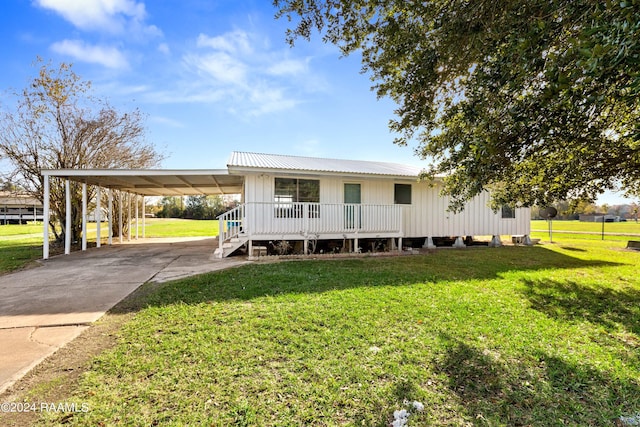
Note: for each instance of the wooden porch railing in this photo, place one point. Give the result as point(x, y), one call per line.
point(231, 224)
point(278, 218)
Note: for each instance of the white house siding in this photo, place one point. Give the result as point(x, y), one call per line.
point(427, 216)
point(260, 188)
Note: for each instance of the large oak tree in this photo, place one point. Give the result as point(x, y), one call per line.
point(536, 100)
point(56, 123)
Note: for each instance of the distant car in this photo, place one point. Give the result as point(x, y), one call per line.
point(623, 219)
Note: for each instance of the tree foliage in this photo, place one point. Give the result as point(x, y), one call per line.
point(196, 207)
point(535, 100)
point(56, 123)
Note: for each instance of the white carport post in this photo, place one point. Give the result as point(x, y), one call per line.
point(84, 216)
point(144, 215)
point(137, 201)
point(67, 223)
point(120, 215)
point(129, 217)
point(98, 216)
point(45, 219)
point(110, 217)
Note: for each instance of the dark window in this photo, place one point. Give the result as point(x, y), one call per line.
point(402, 194)
point(291, 192)
point(508, 212)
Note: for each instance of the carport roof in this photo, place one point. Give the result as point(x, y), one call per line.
point(157, 182)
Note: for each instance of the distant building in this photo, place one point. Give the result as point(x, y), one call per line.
point(19, 208)
point(599, 218)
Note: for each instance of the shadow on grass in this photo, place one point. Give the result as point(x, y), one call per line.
point(569, 300)
point(494, 391)
point(572, 249)
point(317, 276)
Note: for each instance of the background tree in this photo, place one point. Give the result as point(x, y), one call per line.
point(170, 207)
point(536, 100)
point(195, 207)
point(204, 207)
point(57, 123)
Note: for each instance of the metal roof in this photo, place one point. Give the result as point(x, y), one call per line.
point(242, 161)
point(170, 182)
point(157, 182)
point(16, 199)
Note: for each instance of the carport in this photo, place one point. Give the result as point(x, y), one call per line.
point(134, 184)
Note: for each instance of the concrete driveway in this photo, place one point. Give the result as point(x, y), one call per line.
point(43, 308)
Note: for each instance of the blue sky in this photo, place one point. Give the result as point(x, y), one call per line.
point(213, 76)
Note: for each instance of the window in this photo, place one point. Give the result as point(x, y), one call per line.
point(291, 191)
point(508, 212)
point(402, 194)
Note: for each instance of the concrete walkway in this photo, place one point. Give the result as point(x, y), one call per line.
point(43, 308)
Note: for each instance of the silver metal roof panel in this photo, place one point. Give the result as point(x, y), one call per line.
point(259, 161)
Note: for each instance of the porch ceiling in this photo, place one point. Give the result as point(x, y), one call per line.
point(156, 182)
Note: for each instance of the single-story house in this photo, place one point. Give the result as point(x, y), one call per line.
point(18, 208)
point(305, 201)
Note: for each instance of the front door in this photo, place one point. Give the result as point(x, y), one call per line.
point(352, 199)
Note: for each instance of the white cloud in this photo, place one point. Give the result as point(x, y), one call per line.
point(240, 69)
point(221, 67)
point(108, 56)
point(166, 121)
point(164, 48)
point(235, 42)
point(269, 100)
point(113, 16)
point(289, 67)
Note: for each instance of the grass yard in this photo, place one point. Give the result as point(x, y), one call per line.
point(172, 227)
point(587, 230)
point(19, 245)
point(18, 251)
point(544, 336)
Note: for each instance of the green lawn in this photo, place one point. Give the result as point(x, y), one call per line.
point(628, 227)
point(170, 227)
point(545, 336)
point(19, 245)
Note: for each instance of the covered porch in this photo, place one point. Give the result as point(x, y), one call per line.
point(307, 222)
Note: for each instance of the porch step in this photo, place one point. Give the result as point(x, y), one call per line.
point(229, 247)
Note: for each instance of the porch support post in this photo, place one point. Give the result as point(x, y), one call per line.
point(67, 223)
point(355, 244)
point(98, 216)
point(495, 241)
point(459, 243)
point(144, 215)
point(250, 248)
point(45, 219)
point(428, 244)
point(400, 244)
point(129, 217)
point(84, 216)
point(110, 217)
point(121, 202)
point(221, 235)
point(136, 202)
point(306, 246)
